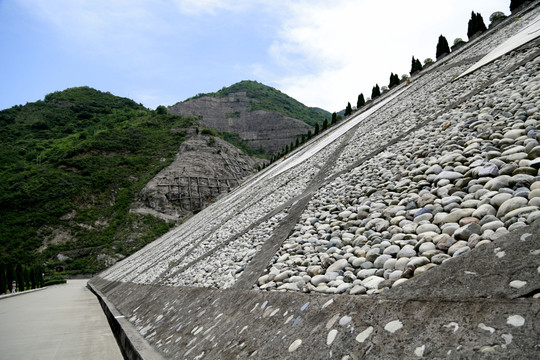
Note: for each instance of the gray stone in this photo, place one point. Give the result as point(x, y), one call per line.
point(490, 170)
point(392, 250)
point(463, 233)
point(498, 182)
point(448, 175)
point(407, 251)
point(379, 262)
point(318, 279)
point(439, 258)
point(483, 210)
point(427, 228)
point(457, 215)
point(499, 199)
point(511, 204)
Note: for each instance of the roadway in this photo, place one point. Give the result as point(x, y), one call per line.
point(60, 322)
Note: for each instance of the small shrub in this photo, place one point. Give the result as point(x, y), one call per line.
point(53, 280)
point(496, 15)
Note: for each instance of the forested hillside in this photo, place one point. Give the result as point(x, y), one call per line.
point(70, 167)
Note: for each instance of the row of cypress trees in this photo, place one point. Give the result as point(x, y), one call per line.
point(476, 25)
point(26, 277)
point(304, 137)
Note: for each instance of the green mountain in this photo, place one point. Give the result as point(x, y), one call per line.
point(70, 167)
point(270, 99)
point(74, 164)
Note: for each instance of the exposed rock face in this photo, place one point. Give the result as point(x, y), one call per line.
point(269, 130)
point(205, 167)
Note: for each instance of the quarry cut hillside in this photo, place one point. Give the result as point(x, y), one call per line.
point(204, 168)
point(410, 229)
point(247, 113)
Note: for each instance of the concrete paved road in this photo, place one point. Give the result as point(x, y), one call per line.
point(60, 322)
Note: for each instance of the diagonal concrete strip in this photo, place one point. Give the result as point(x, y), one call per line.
point(529, 33)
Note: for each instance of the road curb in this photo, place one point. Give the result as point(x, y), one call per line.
point(2, 297)
point(132, 345)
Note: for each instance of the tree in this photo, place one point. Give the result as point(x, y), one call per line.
point(161, 110)
point(514, 4)
point(10, 276)
point(309, 134)
point(325, 124)
point(476, 25)
point(416, 65)
point(458, 42)
point(394, 80)
point(375, 92)
point(19, 277)
point(334, 118)
point(317, 129)
point(495, 17)
point(26, 277)
point(297, 143)
point(348, 109)
point(3, 280)
point(361, 101)
point(442, 47)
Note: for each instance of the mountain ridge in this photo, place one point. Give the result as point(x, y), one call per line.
point(265, 118)
point(81, 173)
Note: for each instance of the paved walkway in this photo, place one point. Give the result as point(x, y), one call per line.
point(60, 322)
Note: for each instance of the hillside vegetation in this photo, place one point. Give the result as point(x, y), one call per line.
point(270, 99)
point(70, 167)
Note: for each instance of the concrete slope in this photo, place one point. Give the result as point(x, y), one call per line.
point(393, 235)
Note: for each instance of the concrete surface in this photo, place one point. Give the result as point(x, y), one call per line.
point(529, 33)
point(482, 304)
point(466, 308)
point(60, 322)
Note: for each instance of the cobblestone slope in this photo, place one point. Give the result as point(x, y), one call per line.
point(429, 193)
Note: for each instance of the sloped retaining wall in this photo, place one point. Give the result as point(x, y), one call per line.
point(481, 304)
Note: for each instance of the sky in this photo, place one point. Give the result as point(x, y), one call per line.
point(159, 52)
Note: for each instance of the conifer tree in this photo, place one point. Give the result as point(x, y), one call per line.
point(325, 124)
point(348, 109)
point(394, 80)
point(375, 92)
point(3, 280)
point(476, 24)
point(514, 4)
point(334, 118)
point(297, 143)
point(10, 276)
point(19, 277)
point(309, 134)
point(416, 65)
point(361, 101)
point(442, 47)
point(317, 129)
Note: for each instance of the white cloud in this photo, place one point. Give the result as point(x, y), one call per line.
point(202, 7)
point(332, 51)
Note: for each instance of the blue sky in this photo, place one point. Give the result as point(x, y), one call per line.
point(323, 53)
